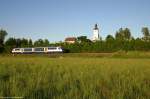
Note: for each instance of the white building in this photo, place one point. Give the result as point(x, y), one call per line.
point(96, 33)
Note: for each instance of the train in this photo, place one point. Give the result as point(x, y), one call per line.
point(37, 50)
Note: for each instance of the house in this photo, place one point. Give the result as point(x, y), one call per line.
point(70, 40)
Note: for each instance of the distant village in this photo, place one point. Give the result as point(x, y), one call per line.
point(96, 37)
point(123, 40)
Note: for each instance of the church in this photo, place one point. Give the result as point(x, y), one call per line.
point(95, 37)
point(95, 33)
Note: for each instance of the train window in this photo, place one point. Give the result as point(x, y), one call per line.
point(27, 49)
point(38, 49)
point(51, 48)
point(17, 49)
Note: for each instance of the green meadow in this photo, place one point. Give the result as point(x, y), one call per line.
point(74, 77)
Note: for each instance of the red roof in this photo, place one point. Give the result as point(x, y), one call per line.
point(70, 39)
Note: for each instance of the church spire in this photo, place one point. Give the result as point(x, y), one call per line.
point(96, 27)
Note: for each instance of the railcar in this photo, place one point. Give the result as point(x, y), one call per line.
point(37, 50)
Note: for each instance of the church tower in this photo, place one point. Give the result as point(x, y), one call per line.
point(95, 33)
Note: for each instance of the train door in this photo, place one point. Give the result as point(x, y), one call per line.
point(46, 50)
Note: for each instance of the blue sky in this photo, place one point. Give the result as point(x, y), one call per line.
point(56, 19)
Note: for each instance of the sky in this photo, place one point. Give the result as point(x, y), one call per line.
point(57, 19)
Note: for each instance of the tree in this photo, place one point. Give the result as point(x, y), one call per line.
point(46, 42)
point(127, 34)
point(83, 39)
point(3, 34)
point(10, 44)
point(39, 43)
point(24, 42)
point(110, 43)
point(118, 36)
point(18, 42)
point(109, 38)
point(139, 44)
point(30, 44)
point(146, 33)
point(123, 34)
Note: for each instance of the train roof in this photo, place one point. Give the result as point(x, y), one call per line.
point(39, 47)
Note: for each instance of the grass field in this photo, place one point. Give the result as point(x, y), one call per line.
point(43, 77)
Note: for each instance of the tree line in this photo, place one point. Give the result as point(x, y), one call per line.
point(123, 40)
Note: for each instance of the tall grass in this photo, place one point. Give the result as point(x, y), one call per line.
point(74, 78)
